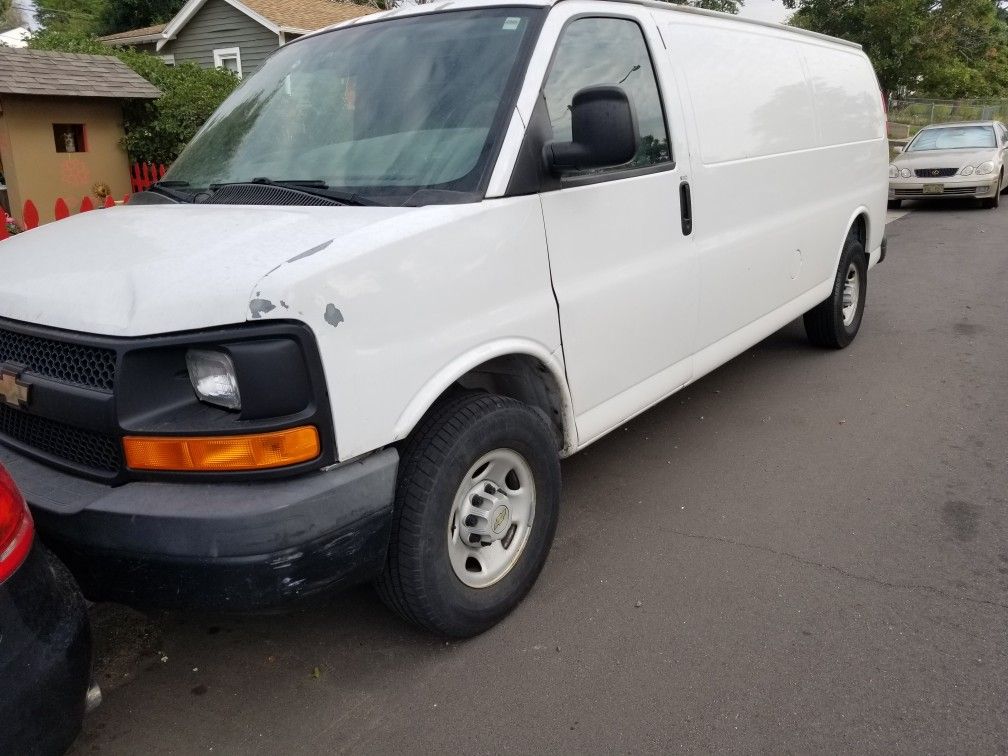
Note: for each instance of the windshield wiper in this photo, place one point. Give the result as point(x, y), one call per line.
point(168, 189)
point(309, 186)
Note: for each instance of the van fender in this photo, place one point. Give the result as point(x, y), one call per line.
point(861, 210)
point(441, 381)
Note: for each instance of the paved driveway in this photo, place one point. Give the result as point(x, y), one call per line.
point(804, 551)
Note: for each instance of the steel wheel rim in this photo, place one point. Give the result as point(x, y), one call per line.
point(851, 295)
point(491, 518)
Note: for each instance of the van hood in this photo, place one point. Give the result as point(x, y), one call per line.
point(145, 270)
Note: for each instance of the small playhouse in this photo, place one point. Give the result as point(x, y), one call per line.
point(61, 129)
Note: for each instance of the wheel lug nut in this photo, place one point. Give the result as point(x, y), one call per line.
point(470, 521)
point(474, 538)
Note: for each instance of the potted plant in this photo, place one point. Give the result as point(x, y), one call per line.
point(12, 225)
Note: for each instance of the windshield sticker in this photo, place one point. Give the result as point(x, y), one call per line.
point(511, 23)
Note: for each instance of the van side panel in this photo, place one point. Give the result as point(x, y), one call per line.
point(774, 188)
point(748, 90)
point(843, 85)
point(852, 120)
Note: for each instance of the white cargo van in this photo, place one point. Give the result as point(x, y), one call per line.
point(410, 264)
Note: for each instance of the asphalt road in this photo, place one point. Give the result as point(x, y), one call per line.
point(805, 551)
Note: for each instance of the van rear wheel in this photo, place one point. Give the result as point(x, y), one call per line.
point(835, 322)
point(476, 508)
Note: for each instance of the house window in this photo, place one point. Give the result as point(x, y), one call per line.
point(229, 58)
point(69, 137)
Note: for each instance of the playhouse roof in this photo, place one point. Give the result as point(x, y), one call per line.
point(53, 74)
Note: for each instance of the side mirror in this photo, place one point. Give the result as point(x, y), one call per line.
point(898, 149)
point(604, 131)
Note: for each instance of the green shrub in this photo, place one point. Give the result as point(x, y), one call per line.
point(156, 131)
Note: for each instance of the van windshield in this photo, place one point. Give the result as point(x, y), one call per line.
point(954, 138)
point(377, 111)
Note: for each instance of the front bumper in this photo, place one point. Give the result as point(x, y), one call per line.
point(956, 186)
point(45, 657)
point(231, 546)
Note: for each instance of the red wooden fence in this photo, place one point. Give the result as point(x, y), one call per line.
point(142, 175)
point(61, 210)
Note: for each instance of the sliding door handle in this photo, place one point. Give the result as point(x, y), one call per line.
point(686, 208)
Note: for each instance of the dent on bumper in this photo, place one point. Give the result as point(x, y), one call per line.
point(217, 545)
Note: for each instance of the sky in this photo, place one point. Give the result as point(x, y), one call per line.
point(27, 8)
point(765, 10)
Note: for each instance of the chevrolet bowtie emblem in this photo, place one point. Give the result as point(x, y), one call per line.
point(12, 391)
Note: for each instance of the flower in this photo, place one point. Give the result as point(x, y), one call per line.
point(101, 190)
point(12, 225)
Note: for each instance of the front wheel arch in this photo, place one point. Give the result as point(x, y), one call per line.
point(515, 368)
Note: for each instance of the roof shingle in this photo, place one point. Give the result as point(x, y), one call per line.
point(53, 74)
point(308, 14)
point(147, 31)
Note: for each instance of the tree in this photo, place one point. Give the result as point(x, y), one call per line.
point(75, 16)
point(942, 48)
point(968, 50)
point(725, 6)
point(10, 16)
point(156, 131)
point(123, 15)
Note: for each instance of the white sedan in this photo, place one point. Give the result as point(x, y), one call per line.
point(952, 160)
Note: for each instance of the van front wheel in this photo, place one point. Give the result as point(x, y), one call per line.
point(835, 322)
point(476, 508)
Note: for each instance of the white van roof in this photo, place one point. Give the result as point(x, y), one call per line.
point(434, 7)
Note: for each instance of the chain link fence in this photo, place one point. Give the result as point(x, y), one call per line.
point(908, 115)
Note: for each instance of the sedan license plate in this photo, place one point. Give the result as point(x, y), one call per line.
point(934, 188)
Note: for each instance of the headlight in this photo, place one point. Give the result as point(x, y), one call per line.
point(893, 171)
point(213, 378)
point(986, 168)
point(967, 171)
point(906, 173)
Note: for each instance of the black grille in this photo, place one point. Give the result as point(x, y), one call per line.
point(92, 367)
point(264, 194)
point(80, 447)
point(936, 172)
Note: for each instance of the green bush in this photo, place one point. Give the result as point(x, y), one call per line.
point(156, 131)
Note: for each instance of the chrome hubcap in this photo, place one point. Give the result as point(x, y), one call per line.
point(851, 295)
point(491, 518)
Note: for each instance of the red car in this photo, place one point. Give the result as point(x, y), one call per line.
point(45, 639)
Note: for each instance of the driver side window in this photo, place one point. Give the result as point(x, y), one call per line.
point(596, 51)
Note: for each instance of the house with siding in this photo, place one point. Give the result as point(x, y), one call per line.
point(235, 34)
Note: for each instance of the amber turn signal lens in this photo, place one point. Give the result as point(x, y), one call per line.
point(261, 451)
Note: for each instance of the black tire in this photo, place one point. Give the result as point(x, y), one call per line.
point(895, 204)
point(419, 582)
point(824, 323)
